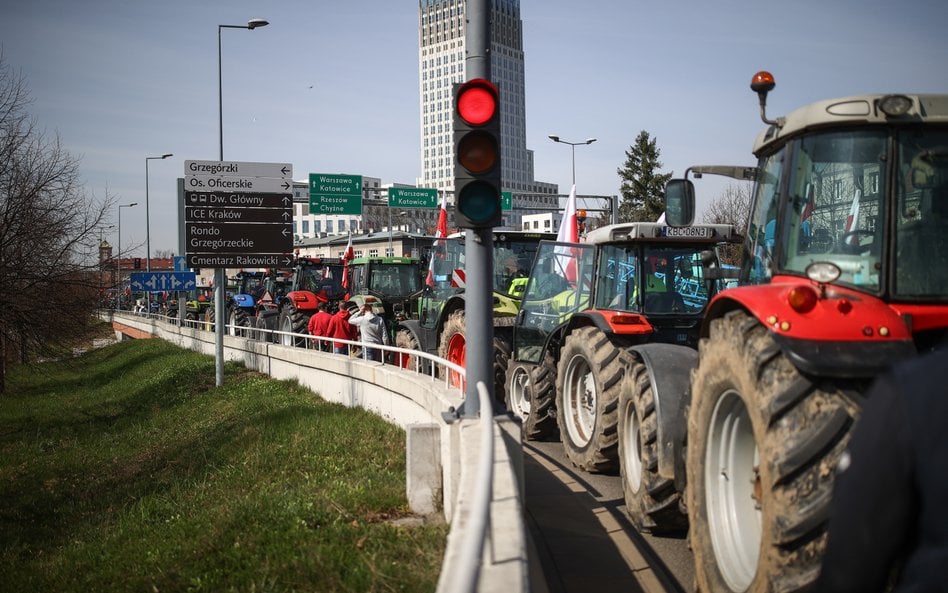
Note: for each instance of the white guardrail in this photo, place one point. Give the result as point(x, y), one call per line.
point(478, 474)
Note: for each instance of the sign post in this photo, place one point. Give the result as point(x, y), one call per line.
point(236, 214)
point(233, 220)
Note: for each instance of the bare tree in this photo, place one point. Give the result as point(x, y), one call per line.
point(731, 207)
point(49, 273)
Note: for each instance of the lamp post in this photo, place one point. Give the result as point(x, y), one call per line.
point(119, 260)
point(251, 24)
point(220, 278)
point(148, 224)
point(573, 146)
point(147, 221)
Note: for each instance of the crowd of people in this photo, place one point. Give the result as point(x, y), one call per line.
point(342, 325)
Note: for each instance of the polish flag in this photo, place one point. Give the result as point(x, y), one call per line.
point(568, 233)
point(346, 258)
point(853, 219)
point(438, 246)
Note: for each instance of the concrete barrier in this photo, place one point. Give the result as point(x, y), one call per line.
point(440, 454)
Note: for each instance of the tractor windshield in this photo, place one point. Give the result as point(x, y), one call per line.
point(513, 258)
point(324, 280)
point(394, 279)
point(834, 208)
point(652, 279)
point(559, 285)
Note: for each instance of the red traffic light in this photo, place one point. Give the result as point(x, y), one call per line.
point(477, 101)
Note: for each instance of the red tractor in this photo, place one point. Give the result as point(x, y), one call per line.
point(845, 271)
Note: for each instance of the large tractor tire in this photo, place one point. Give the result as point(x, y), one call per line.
point(589, 378)
point(763, 444)
point(407, 340)
point(452, 346)
point(651, 500)
point(530, 396)
point(237, 322)
point(259, 332)
point(502, 351)
point(292, 320)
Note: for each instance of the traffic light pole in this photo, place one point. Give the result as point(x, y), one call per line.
point(478, 243)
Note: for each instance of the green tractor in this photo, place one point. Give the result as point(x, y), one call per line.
point(392, 285)
point(437, 323)
point(198, 302)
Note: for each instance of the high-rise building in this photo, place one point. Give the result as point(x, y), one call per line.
point(441, 64)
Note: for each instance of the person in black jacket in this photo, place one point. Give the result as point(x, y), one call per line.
point(889, 521)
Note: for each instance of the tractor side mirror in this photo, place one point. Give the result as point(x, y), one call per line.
point(679, 202)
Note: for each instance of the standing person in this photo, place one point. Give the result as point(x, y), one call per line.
point(889, 522)
point(340, 329)
point(319, 326)
point(373, 331)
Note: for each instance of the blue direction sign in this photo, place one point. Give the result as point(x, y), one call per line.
point(161, 281)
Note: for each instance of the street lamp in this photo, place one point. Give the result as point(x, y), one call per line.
point(251, 24)
point(119, 260)
point(220, 278)
point(148, 224)
point(573, 146)
point(147, 221)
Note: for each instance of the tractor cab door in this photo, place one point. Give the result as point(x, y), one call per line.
point(560, 284)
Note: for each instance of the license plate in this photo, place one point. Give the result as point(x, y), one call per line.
point(698, 232)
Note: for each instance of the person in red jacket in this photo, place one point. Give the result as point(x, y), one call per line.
point(319, 326)
point(341, 329)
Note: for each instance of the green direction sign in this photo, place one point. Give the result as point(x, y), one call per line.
point(412, 197)
point(506, 200)
point(330, 193)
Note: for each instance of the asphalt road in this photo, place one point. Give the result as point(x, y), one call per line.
point(582, 539)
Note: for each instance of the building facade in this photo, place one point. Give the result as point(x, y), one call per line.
point(441, 65)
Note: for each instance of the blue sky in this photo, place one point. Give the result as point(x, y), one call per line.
point(332, 87)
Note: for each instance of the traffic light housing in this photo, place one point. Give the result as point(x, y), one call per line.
point(477, 170)
point(138, 263)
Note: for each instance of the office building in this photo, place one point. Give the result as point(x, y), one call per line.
point(441, 63)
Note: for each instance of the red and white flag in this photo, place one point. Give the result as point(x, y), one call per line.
point(437, 248)
point(568, 233)
point(347, 256)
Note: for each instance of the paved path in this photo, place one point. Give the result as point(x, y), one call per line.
point(581, 539)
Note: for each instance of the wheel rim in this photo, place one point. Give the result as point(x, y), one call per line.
point(457, 353)
point(286, 326)
point(579, 396)
point(631, 449)
point(518, 394)
point(232, 324)
point(731, 479)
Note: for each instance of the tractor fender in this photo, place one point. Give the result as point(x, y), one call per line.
point(427, 338)
point(826, 341)
point(303, 300)
point(669, 369)
point(244, 301)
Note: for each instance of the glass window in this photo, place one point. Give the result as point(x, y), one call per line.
point(921, 229)
point(652, 279)
point(834, 209)
point(759, 242)
point(559, 286)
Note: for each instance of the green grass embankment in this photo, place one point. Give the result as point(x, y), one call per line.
point(125, 469)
